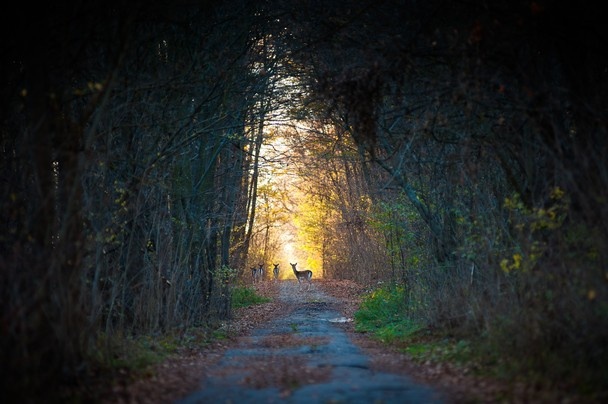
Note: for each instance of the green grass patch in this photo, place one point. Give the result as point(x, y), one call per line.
point(134, 355)
point(441, 350)
point(500, 353)
point(243, 296)
point(382, 313)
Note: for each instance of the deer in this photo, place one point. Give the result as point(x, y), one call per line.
point(302, 275)
point(256, 273)
point(275, 271)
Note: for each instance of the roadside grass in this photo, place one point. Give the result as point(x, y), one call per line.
point(121, 357)
point(118, 359)
point(133, 356)
point(382, 313)
point(244, 296)
point(136, 355)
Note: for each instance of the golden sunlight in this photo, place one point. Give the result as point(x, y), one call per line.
point(285, 203)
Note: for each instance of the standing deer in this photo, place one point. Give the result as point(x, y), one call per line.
point(276, 271)
point(256, 273)
point(302, 275)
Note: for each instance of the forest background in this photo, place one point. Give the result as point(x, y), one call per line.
point(152, 153)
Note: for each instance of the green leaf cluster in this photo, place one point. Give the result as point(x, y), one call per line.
point(532, 227)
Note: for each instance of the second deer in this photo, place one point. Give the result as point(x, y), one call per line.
point(257, 273)
point(276, 271)
point(302, 275)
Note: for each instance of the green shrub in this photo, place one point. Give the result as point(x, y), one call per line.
point(243, 296)
point(382, 313)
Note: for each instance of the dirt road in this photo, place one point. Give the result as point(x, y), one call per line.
point(303, 356)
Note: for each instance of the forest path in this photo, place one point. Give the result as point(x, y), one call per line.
point(303, 356)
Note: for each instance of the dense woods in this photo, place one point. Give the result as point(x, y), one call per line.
point(152, 153)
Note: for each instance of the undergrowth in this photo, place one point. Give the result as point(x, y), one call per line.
point(382, 313)
point(134, 354)
point(119, 358)
point(243, 296)
point(138, 354)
